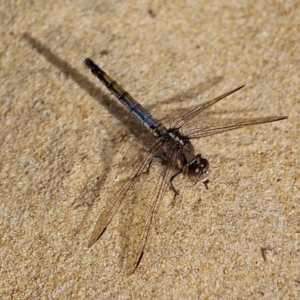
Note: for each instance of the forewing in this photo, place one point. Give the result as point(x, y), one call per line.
point(117, 197)
point(144, 208)
point(210, 126)
point(184, 117)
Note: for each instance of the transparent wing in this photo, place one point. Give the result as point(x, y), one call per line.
point(210, 126)
point(113, 205)
point(145, 207)
point(182, 118)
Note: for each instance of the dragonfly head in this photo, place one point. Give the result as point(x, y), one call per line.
point(198, 168)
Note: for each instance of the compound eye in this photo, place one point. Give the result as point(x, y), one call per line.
point(204, 164)
point(198, 168)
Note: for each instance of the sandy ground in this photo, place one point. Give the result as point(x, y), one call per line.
point(64, 139)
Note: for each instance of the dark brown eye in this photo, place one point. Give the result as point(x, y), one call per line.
point(204, 164)
point(198, 168)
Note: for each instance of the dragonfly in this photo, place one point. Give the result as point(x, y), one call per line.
point(172, 144)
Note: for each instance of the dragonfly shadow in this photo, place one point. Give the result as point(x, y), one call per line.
point(176, 106)
point(194, 91)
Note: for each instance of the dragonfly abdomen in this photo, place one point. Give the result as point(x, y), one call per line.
point(153, 125)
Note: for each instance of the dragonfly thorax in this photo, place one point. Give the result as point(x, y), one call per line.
point(176, 137)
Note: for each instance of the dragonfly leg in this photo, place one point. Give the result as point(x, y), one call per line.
point(171, 182)
point(206, 182)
